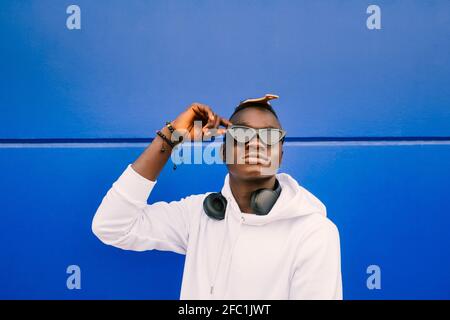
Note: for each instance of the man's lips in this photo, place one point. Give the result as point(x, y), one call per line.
point(254, 158)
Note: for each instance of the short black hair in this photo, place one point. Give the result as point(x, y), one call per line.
point(263, 104)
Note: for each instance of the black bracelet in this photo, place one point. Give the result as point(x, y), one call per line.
point(172, 144)
point(163, 136)
point(169, 125)
point(172, 130)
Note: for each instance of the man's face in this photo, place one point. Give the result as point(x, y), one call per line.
point(253, 159)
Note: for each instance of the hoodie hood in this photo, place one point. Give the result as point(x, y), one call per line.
point(294, 201)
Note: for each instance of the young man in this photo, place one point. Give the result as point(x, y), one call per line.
point(262, 237)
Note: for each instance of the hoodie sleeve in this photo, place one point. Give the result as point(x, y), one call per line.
point(125, 220)
point(317, 266)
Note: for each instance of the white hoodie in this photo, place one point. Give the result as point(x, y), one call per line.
point(292, 252)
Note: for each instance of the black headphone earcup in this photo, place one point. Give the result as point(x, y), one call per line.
point(263, 200)
point(215, 205)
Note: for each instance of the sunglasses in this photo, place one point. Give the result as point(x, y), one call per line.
point(268, 136)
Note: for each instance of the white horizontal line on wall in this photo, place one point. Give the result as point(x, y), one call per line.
point(216, 144)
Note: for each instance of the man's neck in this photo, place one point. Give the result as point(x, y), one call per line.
point(242, 190)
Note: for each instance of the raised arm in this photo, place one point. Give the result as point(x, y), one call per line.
point(125, 220)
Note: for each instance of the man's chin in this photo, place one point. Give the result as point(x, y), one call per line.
point(257, 170)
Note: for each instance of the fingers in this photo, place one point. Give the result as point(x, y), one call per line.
point(204, 112)
point(215, 130)
point(213, 120)
point(216, 120)
point(225, 122)
point(210, 126)
point(220, 121)
point(221, 131)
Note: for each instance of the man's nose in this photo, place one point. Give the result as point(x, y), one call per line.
point(255, 144)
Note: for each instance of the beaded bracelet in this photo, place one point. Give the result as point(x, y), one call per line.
point(169, 125)
point(172, 130)
point(169, 142)
point(163, 136)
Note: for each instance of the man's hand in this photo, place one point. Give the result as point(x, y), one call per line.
point(152, 160)
point(200, 112)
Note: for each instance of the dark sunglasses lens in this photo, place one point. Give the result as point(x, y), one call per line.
point(271, 136)
point(242, 134)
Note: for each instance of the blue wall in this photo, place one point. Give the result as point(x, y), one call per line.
point(376, 104)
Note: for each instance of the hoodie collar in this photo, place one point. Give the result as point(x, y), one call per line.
point(294, 201)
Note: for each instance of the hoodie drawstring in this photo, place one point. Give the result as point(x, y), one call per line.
point(232, 250)
point(221, 252)
point(223, 247)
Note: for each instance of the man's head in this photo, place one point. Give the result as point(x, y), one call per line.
point(252, 153)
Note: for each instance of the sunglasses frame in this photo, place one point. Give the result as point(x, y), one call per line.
point(257, 132)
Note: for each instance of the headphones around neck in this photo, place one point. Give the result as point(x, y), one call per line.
point(261, 202)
